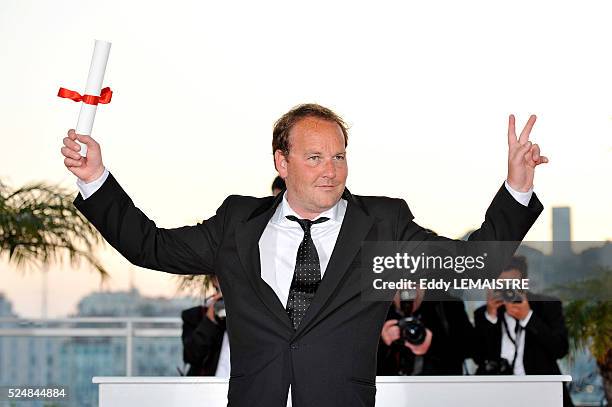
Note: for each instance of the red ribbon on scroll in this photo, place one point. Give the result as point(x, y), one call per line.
point(105, 96)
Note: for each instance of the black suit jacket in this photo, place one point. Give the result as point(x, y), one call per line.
point(331, 359)
point(202, 340)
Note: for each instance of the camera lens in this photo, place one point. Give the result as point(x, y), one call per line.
point(412, 330)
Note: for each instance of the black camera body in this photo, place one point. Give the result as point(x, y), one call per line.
point(510, 295)
point(412, 330)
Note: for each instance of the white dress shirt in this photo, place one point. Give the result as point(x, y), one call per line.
point(223, 365)
point(507, 346)
point(88, 189)
point(281, 238)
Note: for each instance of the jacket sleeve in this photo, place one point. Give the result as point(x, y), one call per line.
point(505, 220)
point(505, 225)
point(199, 338)
point(458, 342)
point(183, 250)
point(547, 326)
point(487, 338)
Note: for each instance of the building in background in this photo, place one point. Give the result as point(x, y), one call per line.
point(561, 231)
point(131, 304)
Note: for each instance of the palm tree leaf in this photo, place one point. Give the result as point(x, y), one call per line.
point(40, 224)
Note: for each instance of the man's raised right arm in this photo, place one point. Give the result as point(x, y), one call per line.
point(184, 250)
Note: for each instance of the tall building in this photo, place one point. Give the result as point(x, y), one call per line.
point(562, 236)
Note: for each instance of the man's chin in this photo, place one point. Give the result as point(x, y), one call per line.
point(328, 202)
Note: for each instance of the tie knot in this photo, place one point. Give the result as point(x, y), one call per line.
point(307, 223)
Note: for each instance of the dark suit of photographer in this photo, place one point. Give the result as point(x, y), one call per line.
point(532, 327)
point(202, 338)
point(448, 341)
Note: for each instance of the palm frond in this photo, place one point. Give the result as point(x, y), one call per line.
point(194, 285)
point(589, 319)
point(40, 224)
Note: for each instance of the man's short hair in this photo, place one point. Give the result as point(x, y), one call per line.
point(518, 263)
point(282, 127)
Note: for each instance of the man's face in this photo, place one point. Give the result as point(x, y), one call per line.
point(510, 275)
point(315, 170)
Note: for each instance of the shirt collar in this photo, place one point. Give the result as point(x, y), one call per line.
point(335, 213)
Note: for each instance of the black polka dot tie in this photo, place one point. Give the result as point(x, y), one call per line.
point(307, 275)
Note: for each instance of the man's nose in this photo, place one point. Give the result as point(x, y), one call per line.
point(329, 169)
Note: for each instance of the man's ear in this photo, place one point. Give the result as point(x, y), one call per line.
point(280, 163)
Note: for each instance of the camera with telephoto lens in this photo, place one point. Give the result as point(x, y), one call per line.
point(411, 327)
point(412, 330)
point(510, 295)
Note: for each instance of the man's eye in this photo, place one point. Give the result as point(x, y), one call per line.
point(314, 157)
point(339, 157)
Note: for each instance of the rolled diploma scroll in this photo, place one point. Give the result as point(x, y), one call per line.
point(93, 87)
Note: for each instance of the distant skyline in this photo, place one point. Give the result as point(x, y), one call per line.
point(426, 87)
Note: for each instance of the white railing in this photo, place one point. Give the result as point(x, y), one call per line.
point(127, 327)
point(63, 327)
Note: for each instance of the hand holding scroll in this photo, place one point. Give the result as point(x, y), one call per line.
point(88, 168)
point(93, 94)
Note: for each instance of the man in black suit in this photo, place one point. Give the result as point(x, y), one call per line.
point(272, 255)
point(521, 334)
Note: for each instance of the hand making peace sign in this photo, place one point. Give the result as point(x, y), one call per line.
point(523, 156)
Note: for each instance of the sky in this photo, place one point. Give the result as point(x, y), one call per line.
point(425, 86)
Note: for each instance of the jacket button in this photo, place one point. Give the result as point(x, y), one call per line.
point(294, 346)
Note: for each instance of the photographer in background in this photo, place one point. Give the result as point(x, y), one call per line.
point(424, 337)
point(205, 341)
point(520, 333)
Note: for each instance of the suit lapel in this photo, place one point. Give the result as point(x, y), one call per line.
point(247, 243)
point(355, 227)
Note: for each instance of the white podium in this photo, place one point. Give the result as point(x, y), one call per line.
point(392, 391)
